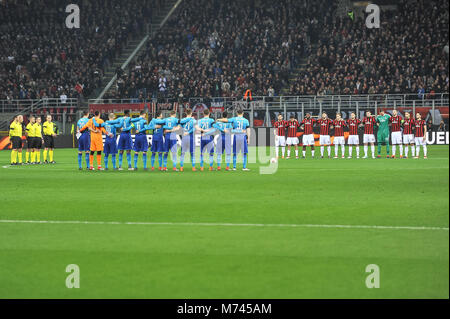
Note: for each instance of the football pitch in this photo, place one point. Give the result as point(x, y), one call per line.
point(307, 231)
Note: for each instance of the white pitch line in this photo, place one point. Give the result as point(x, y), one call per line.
point(220, 224)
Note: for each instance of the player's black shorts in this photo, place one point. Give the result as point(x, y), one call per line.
point(16, 142)
point(30, 141)
point(49, 141)
point(37, 142)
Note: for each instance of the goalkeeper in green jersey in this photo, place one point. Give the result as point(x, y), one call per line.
point(383, 132)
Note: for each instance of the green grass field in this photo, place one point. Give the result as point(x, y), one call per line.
point(227, 234)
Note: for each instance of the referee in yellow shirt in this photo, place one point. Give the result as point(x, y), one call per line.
point(29, 131)
point(37, 141)
point(49, 139)
point(15, 135)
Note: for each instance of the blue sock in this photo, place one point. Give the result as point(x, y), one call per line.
point(245, 161)
point(86, 158)
point(80, 158)
point(201, 160)
point(193, 159)
point(166, 155)
point(144, 159)
point(152, 159)
point(106, 160)
point(129, 159)
point(211, 160)
point(182, 159)
point(120, 159)
point(219, 159)
point(113, 157)
point(228, 159)
point(174, 159)
point(136, 155)
point(234, 160)
point(160, 159)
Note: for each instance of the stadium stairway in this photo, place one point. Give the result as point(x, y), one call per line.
point(157, 23)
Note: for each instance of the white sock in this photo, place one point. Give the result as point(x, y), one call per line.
point(322, 148)
point(401, 149)
point(289, 152)
point(276, 151)
point(336, 150)
point(413, 151)
point(296, 153)
point(283, 150)
point(329, 150)
point(406, 150)
point(312, 153)
point(417, 150)
point(425, 150)
point(343, 150)
point(357, 151)
point(366, 148)
point(350, 150)
point(394, 147)
point(304, 153)
point(372, 149)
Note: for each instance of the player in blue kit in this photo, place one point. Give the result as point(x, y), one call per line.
point(204, 125)
point(223, 142)
point(84, 140)
point(125, 140)
point(140, 139)
point(187, 138)
point(110, 146)
point(170, 139)
point(241, 133)
point(157, 139)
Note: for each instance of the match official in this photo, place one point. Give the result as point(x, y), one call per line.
point(49, 139)
point(15, 135)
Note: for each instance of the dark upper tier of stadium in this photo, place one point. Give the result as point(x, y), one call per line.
point(222, 48)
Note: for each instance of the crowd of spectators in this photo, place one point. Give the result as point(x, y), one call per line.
point(407, 54)
point(223, 48)
point(40, 57)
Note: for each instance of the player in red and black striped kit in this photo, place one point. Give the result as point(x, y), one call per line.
point(292, 139)
point(421, 133)
point(396, 133)
point(339, 139)
point(280, 135)
point(325, 125)
point(369, 137)
point(308, 134)
point(353, 139)
point(408, 134)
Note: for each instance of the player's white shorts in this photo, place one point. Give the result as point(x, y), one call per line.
point(280, 141)
point(325, 140)
point(420, 141)
point(353, 140)
point(308, 140)
point(369, 138)
point(396, 137)
point(292, 141)
point(408, 139)
point(339, 140)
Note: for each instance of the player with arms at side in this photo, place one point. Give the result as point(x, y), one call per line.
point(421, 133)
point(396, 133)
point(29, 132)
point(207, 141)
point(241, 131)
point(37, 140)
point(308, 135)
point(94, 126)
point(369, 122)
point(408, 125)
point(280, 135)
point(292, 138)
point(49, 139)
point(187, 139)
point(339, 138)
point(84, 140)
point(325, 125)
point(15, 136)
point(383, 132)
point(353, 138)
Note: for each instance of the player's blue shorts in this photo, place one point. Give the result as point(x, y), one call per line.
point(110, 146)
point(140, 143)
point(208, 143)
point(84, 142)
point(157, 144)
point(170, 142)
point(125, 141)
point(223, 143)
point(187, 143)
point(240, 144)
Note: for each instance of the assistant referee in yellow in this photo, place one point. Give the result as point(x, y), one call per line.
point(15, 136)
point(49, 139)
